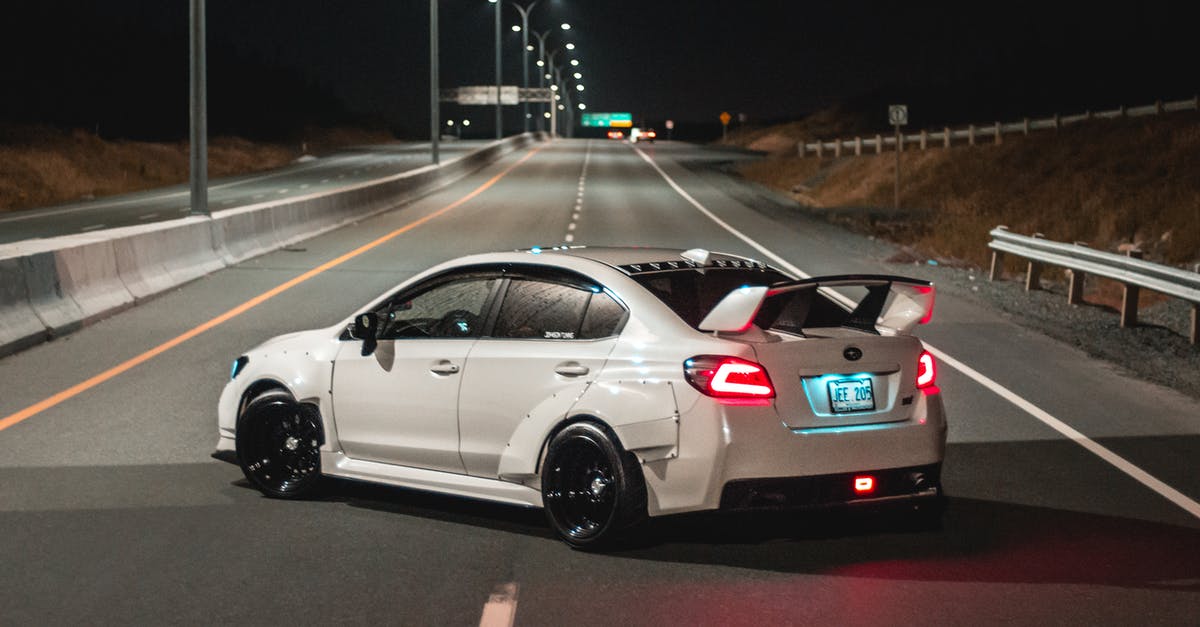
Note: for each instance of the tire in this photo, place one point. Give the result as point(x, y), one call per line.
point(278, 445)
point(592, 490)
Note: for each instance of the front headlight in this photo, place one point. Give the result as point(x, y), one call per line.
point(239, 365)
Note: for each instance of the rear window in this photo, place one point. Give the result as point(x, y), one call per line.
point(691, 294)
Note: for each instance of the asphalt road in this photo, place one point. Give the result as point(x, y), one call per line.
point(112, 512)
point(299, 179)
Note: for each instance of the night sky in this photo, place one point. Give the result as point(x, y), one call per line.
point(120, 66)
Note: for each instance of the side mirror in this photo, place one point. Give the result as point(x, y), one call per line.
point(366, 328)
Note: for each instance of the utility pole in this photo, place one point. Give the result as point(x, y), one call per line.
point(198, 109)
point(499, 116)
point(434, 108)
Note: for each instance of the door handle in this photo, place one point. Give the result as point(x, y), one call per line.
point(444, 367)
point(571, 369)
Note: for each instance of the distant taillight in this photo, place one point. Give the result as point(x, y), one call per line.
point(728, 377)
point(926, 371)
point(864, 484)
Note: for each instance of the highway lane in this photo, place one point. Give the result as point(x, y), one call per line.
point(114, 513)
point(352, 165)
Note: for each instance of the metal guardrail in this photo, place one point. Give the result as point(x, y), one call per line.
point(975, 132)
point(1130, 270)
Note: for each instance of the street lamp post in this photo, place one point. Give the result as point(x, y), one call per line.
point(524, 11)
point(544, 65)
point(434, 109)
point(499, 117)
point(198, 113)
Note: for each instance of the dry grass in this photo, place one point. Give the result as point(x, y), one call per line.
point(1108, 182)
point(43, 166)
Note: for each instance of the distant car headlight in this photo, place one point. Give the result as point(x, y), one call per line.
point(239, 365)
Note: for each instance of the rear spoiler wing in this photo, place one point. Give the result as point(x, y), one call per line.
point(893, 305)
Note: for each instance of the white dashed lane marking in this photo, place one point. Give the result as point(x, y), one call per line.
point(587, 157)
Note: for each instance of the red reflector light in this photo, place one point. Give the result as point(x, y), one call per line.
point(728, 377)
point(864, 484)
point(926, 371)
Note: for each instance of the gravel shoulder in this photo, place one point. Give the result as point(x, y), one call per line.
point(1157, 350)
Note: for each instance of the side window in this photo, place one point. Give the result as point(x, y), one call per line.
point(603, 318)
point(449, 310)
point(541, 310)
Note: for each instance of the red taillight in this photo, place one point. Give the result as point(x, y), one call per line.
point(926, 371)
point(651, 134)
point(728, 377)
point(864, 484)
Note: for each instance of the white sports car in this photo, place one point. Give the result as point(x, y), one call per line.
point(605, 385)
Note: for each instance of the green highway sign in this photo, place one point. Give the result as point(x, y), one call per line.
point(624, 120)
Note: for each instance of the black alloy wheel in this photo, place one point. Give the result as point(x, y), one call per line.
point(278, 445)
point(592, 490)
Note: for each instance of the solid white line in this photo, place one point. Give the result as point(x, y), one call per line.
point(148, 216)
point(1120, 463)
point(283, 191)
point(92, 227)
point(501, 607)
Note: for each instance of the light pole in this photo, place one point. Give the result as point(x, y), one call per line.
point(198, 113)
point(524, 11)
point(499, 117)
point(543, 65)
point(434, 110)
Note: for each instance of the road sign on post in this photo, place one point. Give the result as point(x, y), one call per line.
point(725, 118)
point(897, 116)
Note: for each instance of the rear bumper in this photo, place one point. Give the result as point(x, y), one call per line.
point(734, 457)
point(916, 483)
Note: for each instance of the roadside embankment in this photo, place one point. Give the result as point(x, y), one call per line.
point(41, 166)
point(1112, 183)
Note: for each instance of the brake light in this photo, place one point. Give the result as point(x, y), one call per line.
point(926, 371)
point(728, 377)
point(864, 484)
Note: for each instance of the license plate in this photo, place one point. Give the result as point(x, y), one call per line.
point(850, 395)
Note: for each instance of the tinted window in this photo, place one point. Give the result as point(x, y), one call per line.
point(691, 294)
point(603, 318)
point(452, 309)
point(537, 309)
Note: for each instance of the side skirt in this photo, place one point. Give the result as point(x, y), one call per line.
point(338, 465)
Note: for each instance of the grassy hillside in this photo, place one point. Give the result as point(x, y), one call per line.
point(1106, 182)
point(41, 166)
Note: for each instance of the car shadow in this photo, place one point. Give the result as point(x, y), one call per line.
point(982, 539)
point(979, 541)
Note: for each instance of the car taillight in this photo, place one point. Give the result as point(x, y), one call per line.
point(728, 377)
point(926, 371)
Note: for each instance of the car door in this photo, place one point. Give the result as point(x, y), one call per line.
point(399, 404)
point(551, 334)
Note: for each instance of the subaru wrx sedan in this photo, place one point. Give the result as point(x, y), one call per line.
point(605, 385)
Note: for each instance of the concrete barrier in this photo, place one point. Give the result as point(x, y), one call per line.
point(88, 272)
point(57, 311)
point(51, 287)
point(20, 326)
